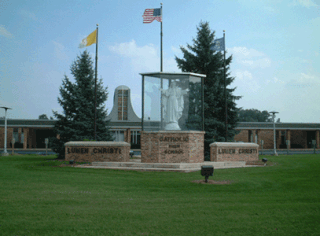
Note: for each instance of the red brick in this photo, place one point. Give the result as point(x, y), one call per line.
point(172, 146)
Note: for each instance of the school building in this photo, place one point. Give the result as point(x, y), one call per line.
point(126, 126)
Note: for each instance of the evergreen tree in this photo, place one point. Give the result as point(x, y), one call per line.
point(199, 58)
point(77, 101)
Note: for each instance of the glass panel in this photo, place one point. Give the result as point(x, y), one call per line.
point(16, 137)
point(118, 136)
point(135, 140)
point(172, 102)
point(194, 117)
point(151, 108)
point(114, 135)
point(121, 136)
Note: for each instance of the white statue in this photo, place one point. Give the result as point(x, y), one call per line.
point(173, 104)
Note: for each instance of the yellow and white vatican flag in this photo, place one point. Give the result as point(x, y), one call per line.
point(91, 39)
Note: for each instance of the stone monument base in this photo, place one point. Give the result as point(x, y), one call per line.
point(172, 146)
point(86, 151)
point(225, 152)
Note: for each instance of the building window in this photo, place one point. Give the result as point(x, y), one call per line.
point(122, 104)
point(22, 136)
point(16, 135)
point(135, 139)
point(118, 136)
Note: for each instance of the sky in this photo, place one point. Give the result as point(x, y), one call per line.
point(275, 45)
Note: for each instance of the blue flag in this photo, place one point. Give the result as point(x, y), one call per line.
point(218, 45)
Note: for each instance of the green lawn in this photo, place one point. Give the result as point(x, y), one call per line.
point(39, 198)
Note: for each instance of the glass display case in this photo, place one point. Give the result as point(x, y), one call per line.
point(172, 101)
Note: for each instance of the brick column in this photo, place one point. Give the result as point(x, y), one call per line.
point(128, 140)
point(289, 137)
point(19, 136)
point(25, 140)
point(1, 137)
point(317, 139)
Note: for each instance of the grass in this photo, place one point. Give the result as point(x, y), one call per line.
point(39, 198)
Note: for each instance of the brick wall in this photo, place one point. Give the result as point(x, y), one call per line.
point(172, 147)
point(298, 138)
point(267, 137)
point(9, 137)
point(243, 136)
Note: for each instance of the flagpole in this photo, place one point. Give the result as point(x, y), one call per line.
point(161, 59)
point(95, 88)
point(161, 64)
point(225, 87)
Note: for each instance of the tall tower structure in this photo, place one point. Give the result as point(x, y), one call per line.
point(122, 108)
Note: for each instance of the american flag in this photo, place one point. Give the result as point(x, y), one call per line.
point(150, 15)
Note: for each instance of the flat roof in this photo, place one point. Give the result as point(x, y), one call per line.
point(278, 125)
point(172, 73)
point(28, 123)
point(127, 124)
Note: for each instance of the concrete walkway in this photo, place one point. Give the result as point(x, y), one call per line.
point(135, 164)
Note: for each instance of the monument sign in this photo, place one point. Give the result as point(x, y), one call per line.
point(223, 152)
point(86, 151)
point(172, 118)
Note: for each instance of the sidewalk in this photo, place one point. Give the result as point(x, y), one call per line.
point(135, 164)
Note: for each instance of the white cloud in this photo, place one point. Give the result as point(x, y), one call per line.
point(131, 49)
point(250, 57)
point(59, 51)
point(175, 50)
point(245, 52)
point(28, 14)
point(305, 80)
point(170, 65)
point(303, 3)
point(275, 80)
point(145, 58)
point(246, 81)
point(5, 32)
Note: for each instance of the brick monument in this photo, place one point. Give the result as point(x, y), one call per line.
point(86, 151)
point(225, 152)
point(172, 146)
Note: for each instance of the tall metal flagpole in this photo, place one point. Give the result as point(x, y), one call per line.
point(225, 87)
point(95, 87)
point(161, 65)
point(161, 62)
